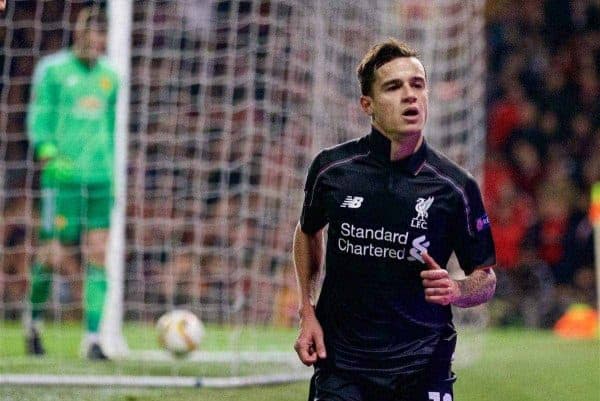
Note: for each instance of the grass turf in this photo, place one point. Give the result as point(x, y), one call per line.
point(517, 365)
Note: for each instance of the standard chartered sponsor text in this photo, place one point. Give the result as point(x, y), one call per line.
point(380, 234)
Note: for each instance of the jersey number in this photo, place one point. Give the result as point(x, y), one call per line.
point(435, 396)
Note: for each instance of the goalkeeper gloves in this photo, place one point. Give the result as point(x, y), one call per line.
point(55, 168)
point(59, 170)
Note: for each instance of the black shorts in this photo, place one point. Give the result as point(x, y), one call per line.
point(336, 385)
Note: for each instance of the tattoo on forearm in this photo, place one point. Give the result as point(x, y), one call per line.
point(476, 289)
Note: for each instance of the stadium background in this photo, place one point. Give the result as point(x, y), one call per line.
point(543, 136)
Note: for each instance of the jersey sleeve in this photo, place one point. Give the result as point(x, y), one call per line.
point(42, 113)
point(313, 216)
point(112, 110)
point(473, 244)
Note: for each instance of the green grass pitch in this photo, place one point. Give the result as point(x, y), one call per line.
point(517, 365)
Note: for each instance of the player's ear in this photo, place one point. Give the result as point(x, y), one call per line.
point(366, 103)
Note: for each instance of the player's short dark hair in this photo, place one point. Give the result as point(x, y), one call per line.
point(378, 55)
point(90, 17)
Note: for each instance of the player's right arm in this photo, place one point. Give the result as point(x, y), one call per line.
point(308, 253)
point(42, 115)
point(309, 250)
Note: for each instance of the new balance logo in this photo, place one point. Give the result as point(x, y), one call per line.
point(353, 202)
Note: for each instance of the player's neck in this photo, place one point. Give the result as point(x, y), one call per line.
point(87, 62)
point(401, 148)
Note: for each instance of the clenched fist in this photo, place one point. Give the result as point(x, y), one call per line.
point(439, 287)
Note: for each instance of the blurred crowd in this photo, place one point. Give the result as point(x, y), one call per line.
point(543, 153)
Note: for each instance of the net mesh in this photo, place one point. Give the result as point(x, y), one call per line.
point(230, 100)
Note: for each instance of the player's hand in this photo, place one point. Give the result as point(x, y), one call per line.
point(59, 169)
point(439, 287)
point(310, 345)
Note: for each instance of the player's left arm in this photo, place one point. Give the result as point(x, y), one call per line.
point(475, 289)
point(111, 110)
point(474, 247)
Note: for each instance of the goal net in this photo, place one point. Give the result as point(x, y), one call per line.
point(228, 101)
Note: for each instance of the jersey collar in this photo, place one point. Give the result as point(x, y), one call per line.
point(380, 146)
point(81, 65)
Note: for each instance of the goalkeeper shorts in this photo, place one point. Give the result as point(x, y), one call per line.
point(69, 209)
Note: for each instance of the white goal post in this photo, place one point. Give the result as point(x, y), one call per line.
point(120, 16)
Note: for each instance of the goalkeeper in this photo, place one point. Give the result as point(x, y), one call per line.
point(71, 123)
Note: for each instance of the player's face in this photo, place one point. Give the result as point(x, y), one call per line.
point(398, 102)
point(92, 45)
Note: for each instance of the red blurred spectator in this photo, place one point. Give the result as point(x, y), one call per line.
point(511, 216)
point(554, 205)
point(504, 116)
point(496, 176)
point(526, 164)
